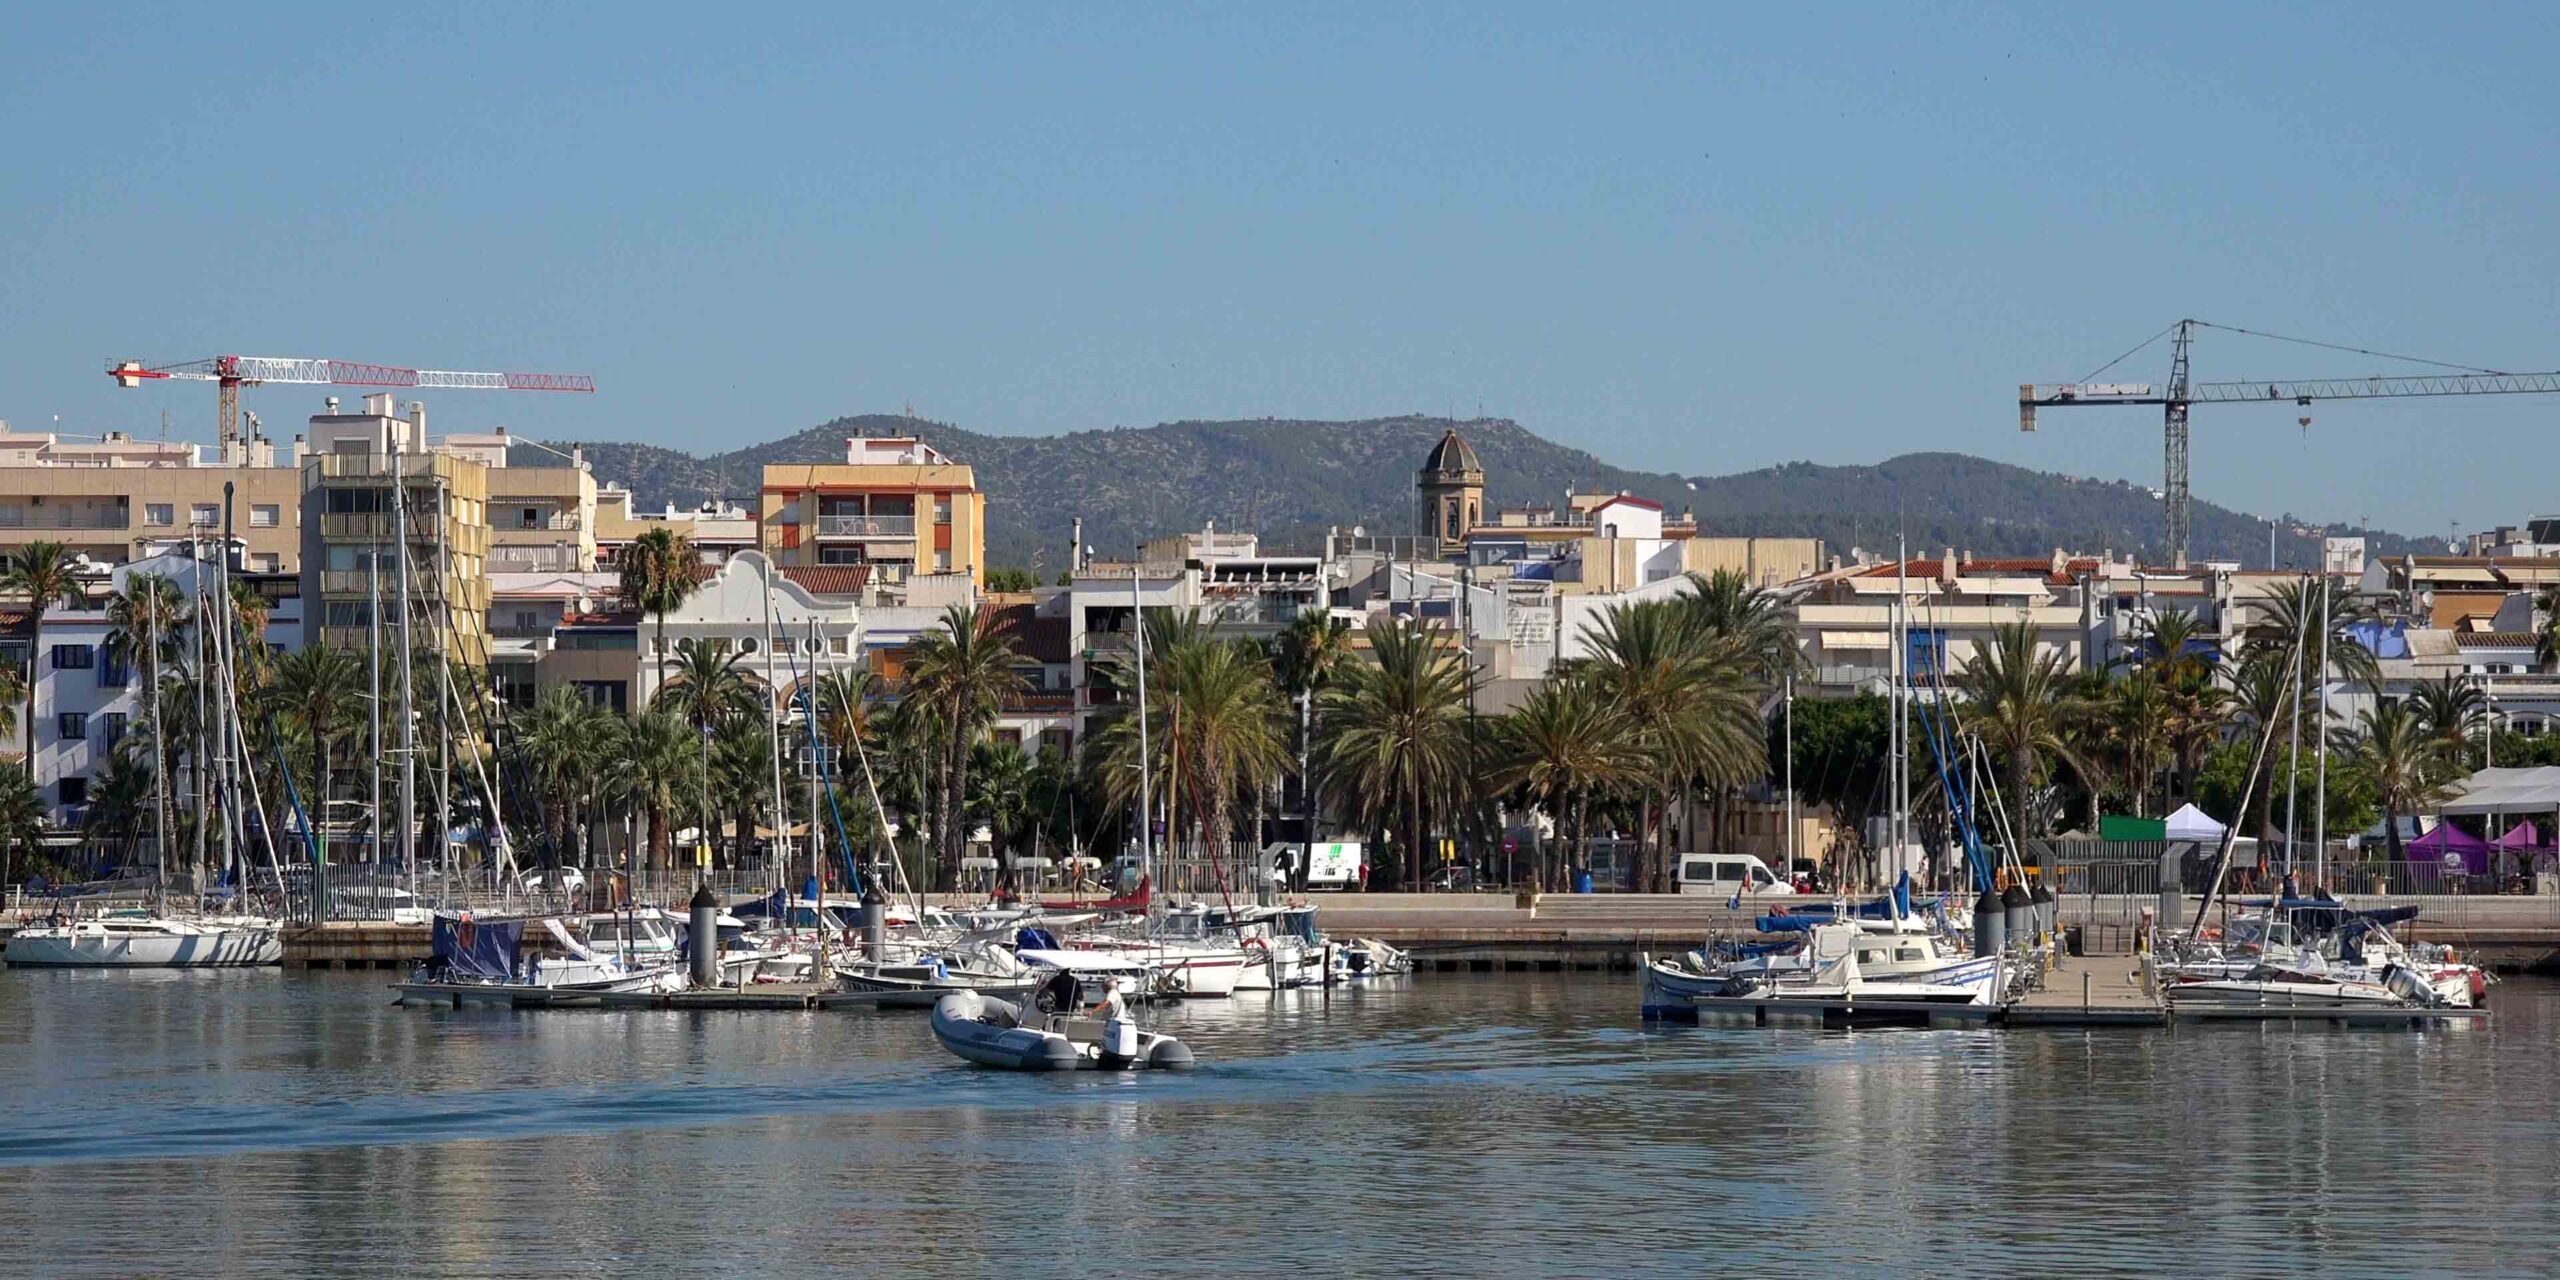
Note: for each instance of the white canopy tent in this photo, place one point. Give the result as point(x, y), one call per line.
point(2192, 823)
point(2517, 791)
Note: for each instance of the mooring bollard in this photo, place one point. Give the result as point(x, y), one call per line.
point(705, 942)
point(2084, 991)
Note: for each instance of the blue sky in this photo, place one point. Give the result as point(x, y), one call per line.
point(1694, 237)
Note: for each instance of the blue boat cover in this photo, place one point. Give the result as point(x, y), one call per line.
point(467, 948)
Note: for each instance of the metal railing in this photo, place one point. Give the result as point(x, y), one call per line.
point(866, 526)
point(63, 518)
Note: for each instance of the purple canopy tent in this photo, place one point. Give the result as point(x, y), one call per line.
point(2450, 839)
point(2525, 835)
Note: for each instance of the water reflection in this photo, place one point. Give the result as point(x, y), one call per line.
point(1500, 1125)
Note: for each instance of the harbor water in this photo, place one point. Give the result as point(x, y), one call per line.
point(239, 1123)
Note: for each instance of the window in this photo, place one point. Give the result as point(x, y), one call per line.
point(74, 657)
point(529, 518)
point(115, 671)
point(942, 508)
point(942, 559)
point(111, 729)
point(835, 554)
point(75, 792)
point(589, 638)
point(527, 619)
point(71, 726)
point(159, 513)
point(608, 694)
point(263, 515)
point(205, 515)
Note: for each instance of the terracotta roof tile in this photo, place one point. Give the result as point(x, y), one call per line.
point(2495, 639)
point(830, 579)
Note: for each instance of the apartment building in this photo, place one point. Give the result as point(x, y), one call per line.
point(370, 477)
point(718, 530)
point(1845, 618)
point(896, 504)
point(542, 517)
point(120, 499)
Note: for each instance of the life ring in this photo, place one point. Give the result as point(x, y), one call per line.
point(1257, 944)
point(2209, 934)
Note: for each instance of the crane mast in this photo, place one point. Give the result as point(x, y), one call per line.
point(2180, 394)
point(230, 373)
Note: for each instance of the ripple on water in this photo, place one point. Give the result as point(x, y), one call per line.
point(1515, 1125)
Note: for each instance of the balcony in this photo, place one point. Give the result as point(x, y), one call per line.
point(556, 522)
point(866, 526)
point(378, 466)
point(13, 516)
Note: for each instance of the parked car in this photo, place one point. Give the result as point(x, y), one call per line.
point(1728, 875)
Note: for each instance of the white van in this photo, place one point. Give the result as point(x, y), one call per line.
point(1726, 874)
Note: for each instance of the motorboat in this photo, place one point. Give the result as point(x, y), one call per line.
point(137, 939)
point(2323, 940)
point(481, 962)
point(974, 965)
point(2271, 986)
point(1836, 951)
point(1888, 948)
point(1051, 1030)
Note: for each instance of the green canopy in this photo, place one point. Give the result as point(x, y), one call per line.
point(2116, 828)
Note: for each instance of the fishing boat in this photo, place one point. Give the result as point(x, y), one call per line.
point(1050, 1031)
point(140, 940)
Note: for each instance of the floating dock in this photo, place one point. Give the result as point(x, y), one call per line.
point(779, 997)
point(2092, 993)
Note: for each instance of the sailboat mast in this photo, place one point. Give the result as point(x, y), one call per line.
point(373, 675)
point(159, 746)
point(773, 721)
point(408, 660)
point(2320, 749)
point(1146, 761)
point(197, 758)
point(444, 641)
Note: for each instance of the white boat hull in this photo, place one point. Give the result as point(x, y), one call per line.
point(46, 948)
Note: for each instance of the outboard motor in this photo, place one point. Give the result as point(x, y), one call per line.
point(1120, 1040)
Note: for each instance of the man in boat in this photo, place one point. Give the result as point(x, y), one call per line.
point(1111, 1007)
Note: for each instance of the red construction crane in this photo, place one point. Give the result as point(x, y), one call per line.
point(235, 372)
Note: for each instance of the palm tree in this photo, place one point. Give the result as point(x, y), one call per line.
point(148, 606)
point(658, 769)
point(961, 674)
point(564, 743)
point(742, 778)
point(1562, 745)
point(1392, 733)
point(659, 571)
point(1725, 603)
point(709, 690)
point(2170, 639)
point(999, 791)
point(844, 709)
point(2020, 704)
point(2408, 764)
point(42, 572)
point(1214, 728)
point(2137, 728)
point(1692, 701)
point(2449, 707)
point(2294, 606)
point(119, 801)
point(22, 813)
point(321, 690)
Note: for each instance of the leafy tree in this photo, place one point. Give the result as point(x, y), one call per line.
point(1564, 744)
point(2408, 764)
point(961, 673)
point(322, 690)
point(1391, 735)
point(1003, 580)
point(22, 812)
point(658, 573)
point(2020, 703)
point(42, 572)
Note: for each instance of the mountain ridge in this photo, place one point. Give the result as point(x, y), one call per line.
point(1290, 480)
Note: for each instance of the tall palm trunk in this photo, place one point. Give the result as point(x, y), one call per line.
point(35, 667)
